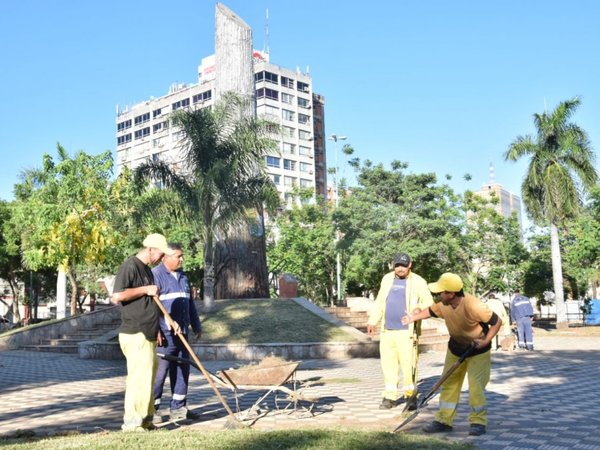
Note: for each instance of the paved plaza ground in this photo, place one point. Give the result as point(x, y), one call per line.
point(546, 399)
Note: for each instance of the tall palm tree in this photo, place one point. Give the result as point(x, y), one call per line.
point(221, 172)
point(560, 170)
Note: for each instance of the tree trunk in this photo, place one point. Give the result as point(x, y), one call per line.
point(557, 277)
point(14, 288)
point(209, 274)
point(242, 262)
point(74, 292)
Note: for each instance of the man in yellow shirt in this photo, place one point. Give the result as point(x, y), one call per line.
point(401, 290)
point(470, 323)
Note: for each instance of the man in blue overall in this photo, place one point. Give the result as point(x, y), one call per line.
point(521, 312)
point(176, 296)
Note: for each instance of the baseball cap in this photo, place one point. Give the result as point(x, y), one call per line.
point(156, 240)
point(401, 259)
point(448, 282)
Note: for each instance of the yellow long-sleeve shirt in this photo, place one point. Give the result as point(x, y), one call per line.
point(417, 296)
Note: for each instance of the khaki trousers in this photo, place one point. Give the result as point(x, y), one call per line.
point(141, 370)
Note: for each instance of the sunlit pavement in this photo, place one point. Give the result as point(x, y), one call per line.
point(545, 399)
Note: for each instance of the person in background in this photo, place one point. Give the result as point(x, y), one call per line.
point(505, 333)
point(401, 290)
point(521, 312)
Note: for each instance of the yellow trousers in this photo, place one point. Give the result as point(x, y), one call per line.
point(397, 352)
point(477, 368)
point(141, 370)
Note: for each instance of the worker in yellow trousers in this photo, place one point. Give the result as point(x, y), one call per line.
point(472, 325)
point(401, 290)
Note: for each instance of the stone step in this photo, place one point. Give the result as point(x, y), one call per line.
point(52, 348)
point(62, 341)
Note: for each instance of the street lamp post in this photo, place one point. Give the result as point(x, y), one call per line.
point(338, 265)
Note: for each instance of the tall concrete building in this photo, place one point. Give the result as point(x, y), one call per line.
point(282, 95)
point(508, 203)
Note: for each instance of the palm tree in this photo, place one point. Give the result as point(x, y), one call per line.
point(221, 174)
point(560, 170)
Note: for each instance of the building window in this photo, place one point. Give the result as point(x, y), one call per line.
point(124, 139)
point(202, 97)
point(273, 161)
point(289, 181)
point(181, 104)
point(267, 93)
point(142, 133)
point(304, 151)
point(304, 135)
point(288, 132)
point(303, 102)
point(156, 142)
point(287, 98)
point(160, 126)
point(124, 125)
point(266, 76)
point(287, 82)
point(305, 183)
point(302, 87)
point(303, 119)
point(289, 164)
point(304, 167)
point(270, 110)
point(287, 115)
point(156, 113)
point(142, 119)
point(288, 148)
point(276, 179)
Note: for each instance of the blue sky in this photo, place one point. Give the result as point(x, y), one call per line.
point(443, 85)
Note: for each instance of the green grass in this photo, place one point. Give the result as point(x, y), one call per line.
point(331, 439)
point(264, 321)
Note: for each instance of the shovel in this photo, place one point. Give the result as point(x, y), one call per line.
point(232, 422)
point(425, 399)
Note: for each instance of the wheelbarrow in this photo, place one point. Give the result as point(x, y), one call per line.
point(275, 379)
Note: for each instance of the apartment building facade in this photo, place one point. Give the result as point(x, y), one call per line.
point(282, 95)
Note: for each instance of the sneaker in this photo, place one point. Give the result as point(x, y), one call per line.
point(157, 419)
point(530, 348)
point(437, 427)
point(476, 429)
point(387, 403)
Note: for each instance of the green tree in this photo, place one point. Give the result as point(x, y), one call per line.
point(11, 268)
point(305, 247)
point(391, 211)
point(582, 246)
point(221, 175)
point(561, 167)
point(495, 245)
point(62, 214)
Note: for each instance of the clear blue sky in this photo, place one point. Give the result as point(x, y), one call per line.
point(443, 85)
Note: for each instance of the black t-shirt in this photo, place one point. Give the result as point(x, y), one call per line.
point(140, 314)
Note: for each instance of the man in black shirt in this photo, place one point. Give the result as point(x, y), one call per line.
point(133, 290)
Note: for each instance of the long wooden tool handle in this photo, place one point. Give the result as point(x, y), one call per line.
point(194, 357)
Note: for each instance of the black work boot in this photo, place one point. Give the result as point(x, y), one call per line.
point(476, 429)
point(386, 403)
point(437, 427)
